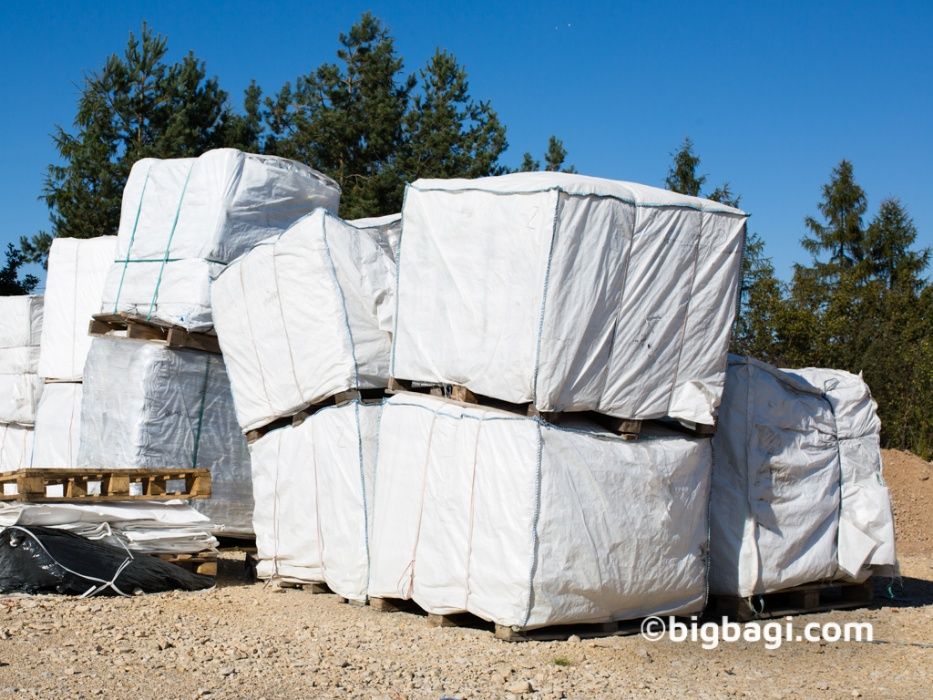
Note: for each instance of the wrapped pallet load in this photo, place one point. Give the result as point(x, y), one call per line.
point(797, 496)
point(305, 316)
point(183, 219)
point(15, 446)
point(20, 335)
point(568, 292)
point(58, 425)
point(146, 405)
point(312, 485)
point(529, 524)
point(74, 286)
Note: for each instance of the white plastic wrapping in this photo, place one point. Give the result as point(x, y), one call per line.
point(15, 447)
point(58, 426)
point(305, 316)
point(19, 398)
point(529, 524)
point(146, 405)
point(73, 289)
point(312, 486)
point(163, 527)
point(785, 510)
point(570, 292)
point(20, 321)
point(183, 219)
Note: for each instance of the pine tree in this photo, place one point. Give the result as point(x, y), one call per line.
point(347, 120)
point(888, 247)
point(447, 133)
point(11, 283)
point(842, 234)
point(136, 106)
point(554, 158)
point(760, 305)
point(682, 176)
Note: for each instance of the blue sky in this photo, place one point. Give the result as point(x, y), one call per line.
point(773, 94)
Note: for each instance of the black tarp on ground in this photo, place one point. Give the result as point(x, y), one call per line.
point(46, 560)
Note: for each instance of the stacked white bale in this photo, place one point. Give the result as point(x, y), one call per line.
point(164, 527)
point(146, 405)
point(58, 425)
point(528, 524)
point(305, 316)
point(312, 486)
point(74, 286)
point(569, 292)
point(15, 446)
point(20, 334)
point(184, 219)
point(797, 492)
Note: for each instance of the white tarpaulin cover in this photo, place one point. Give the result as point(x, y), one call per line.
point(20, 321)
point(312, 486)
point(570, 292)
point(58, 426)
point(162, 527)
point(529, 524)
point(785, 509)
point(19, 398)
point(73, 290)
point(20, 331)
point(305, 316)
point(183, 219)
point(15, 447)
point(146, 405)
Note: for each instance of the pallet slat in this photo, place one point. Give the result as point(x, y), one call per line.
point(101, 485)
point(152, 330)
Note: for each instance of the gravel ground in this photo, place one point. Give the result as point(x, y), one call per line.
point(244, 640)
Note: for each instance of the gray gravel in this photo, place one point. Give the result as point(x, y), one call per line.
point(244, 640)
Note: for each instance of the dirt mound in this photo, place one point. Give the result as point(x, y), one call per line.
point(910, 480)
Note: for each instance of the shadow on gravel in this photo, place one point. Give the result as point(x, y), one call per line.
point(905, 592)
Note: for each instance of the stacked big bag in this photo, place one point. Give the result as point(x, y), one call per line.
point(576, 295)
point(74, 285)
point(20, 385)
point(304, 322)
point(148, 405)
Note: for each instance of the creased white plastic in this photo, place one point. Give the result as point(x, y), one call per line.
point(146, 405)
point(314, 498)
point(183, 219)
point(58, 426)
point(19, 398)
point(15, 446)
point(866, 521)
point(569, 292)
point(20, 321)
point(74, 286)
point(529, 524)
point(164, 527)
point(305, 316)
point(779, 487)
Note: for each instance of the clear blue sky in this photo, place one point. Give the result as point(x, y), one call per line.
point(773, 95)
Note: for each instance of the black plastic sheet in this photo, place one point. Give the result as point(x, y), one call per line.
point(46, 560)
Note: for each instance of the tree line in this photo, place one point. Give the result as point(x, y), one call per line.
point(862, 303)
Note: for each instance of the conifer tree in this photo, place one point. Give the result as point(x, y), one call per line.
point(11, 283)
point(136, 106)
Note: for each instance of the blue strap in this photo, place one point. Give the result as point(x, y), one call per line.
point(168, 245)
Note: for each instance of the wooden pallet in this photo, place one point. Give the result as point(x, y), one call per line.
point(627, 429)
point(301, 415)
point(100, 485)
point(152, 329)
point(204, 563)
point(504, 632)
point(812, 598)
